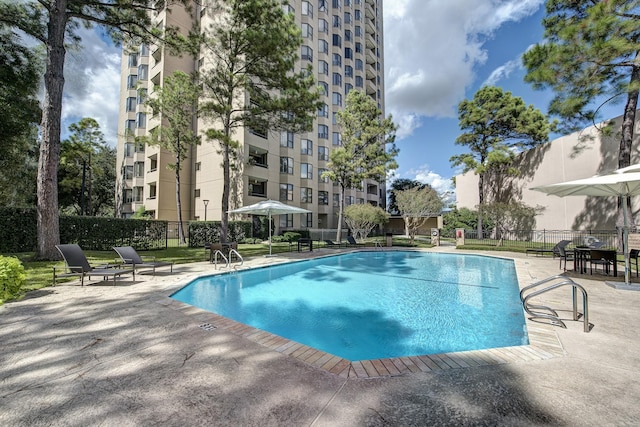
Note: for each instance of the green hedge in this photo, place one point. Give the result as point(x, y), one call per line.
point(18, 231)
point(201, 232)
point(12, 278)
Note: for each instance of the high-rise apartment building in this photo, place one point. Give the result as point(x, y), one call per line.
point(342, 40)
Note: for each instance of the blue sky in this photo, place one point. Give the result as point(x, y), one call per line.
point(437, 53)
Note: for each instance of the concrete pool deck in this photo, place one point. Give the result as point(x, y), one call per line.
point(125, 355)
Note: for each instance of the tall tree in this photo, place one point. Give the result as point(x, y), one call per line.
point(253, 50)
point(83, 177)
point(417, 205)
point(399, 185)
point(590, 53)
point(496, 125)
point(53, 23)
point(177, 103)
point(368, 149)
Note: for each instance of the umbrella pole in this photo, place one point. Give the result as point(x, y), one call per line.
point(625, 242)
point(269, 233)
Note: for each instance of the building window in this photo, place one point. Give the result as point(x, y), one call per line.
point(144, 50)
point(130, 104)
point(306, 171)
point(127, 196)
point(138, 194)
point(323, 67)
point(306, 220)
point(286, 139)
point(323, 132)
point(286, 192)
point(142, 95)
point(133, 60)
point(306, 195)
point(286, 221)
point(336, 4)
point(129, 149)
point(347, 18)
point(143, 72)
point(306, 147)
point(128, 172)
point(347, 88)
point(286, 165)
point(348, 35)
point(337, 60)
point(307, 9)
point(307, 31)
point(337, 79)
point(153, 164)
point(323, 46)
point(322, 5)
point(358, 29)
point(307, 53)
point(336, 99)
point(348, 71)
point(337, 21)
point(323, 26)
point(152, 190)
point(196, 193)
point(359, 81)
point(323, 111)
point(141, 120)
point(336, 200)
point(348, 53)
point(336, 138)
point(320, 177)
point(359, 65)
point(257, 187)
point(138, 169)
point(358, 15)
point(132, 80)
point(325, 87)
point(358, 47)
point(323, 153)
point(337, 40)
point(349, 200)
point(323, 197)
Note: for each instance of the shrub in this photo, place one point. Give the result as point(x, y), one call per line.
point(12, 277)
point(291, 236)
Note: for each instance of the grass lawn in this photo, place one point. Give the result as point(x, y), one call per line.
point(40, 273)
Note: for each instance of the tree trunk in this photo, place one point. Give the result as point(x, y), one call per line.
point(178, 202)
point(48, 227)
point(340, 214)
point(480, 202)
point(224, 226)
point(84, 180)
point(626, 140)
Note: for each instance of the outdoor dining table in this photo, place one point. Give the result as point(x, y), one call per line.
point(583, 255)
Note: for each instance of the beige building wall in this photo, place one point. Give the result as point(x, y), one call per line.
point(575, 156)
point(344, 45)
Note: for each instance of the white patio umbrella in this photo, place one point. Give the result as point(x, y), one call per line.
point(622, 182)
point(268, 208)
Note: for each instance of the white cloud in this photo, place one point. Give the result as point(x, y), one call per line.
point(503, 72)
point(432, 49)
point(92, 85)
point(427, 176)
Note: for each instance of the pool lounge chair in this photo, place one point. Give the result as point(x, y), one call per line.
point(352, 242)
point(331, 244)
point(129, 256)
point(76, 264)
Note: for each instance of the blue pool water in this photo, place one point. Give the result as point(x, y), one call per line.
point(371, 305)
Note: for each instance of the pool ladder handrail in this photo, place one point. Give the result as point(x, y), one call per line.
point(231, 252)
point(552, 315)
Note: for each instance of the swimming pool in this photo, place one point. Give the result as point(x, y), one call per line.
point(374, 304)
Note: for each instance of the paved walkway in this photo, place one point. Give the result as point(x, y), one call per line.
point(127, 356)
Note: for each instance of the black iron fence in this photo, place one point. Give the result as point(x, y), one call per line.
point(542, 238)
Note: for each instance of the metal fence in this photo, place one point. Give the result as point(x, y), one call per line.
point(544, 238)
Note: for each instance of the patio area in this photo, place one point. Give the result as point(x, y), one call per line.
point(128, 356)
